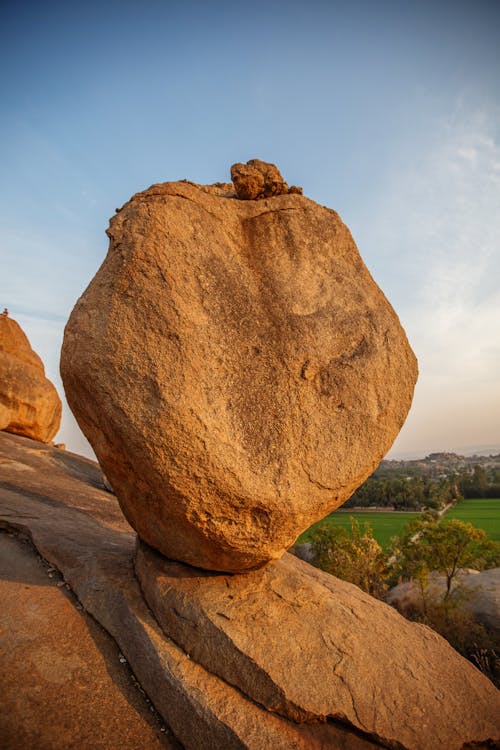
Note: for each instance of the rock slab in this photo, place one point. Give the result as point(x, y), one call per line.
point(236, 370)
point(311, 647)
point(29, 404)
point(59, 501)
point(64, 686)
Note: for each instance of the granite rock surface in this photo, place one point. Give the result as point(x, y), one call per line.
point(257, 179)
point(29, 404)
point(58, 500)
point(311, 647)
point(236, 370)
point(64, 684)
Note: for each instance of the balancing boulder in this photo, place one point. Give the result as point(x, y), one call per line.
point(236, 369)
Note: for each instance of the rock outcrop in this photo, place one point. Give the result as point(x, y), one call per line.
point(64, 682)
point(311, 647)
point(259, 179)
point(236, 370)
point(372, 686)
point(356, 672)
point(29, 404)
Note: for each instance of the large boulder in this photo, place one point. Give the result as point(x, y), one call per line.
point(236, 369)
point(29, 404)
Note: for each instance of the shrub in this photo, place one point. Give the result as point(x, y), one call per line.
point(354, 556)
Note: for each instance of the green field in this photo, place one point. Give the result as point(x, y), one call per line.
point(483, 513)
point(384, 525)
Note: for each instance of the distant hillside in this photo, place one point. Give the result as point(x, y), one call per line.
point(429, 483)
point(439, 462)
point(485, 449)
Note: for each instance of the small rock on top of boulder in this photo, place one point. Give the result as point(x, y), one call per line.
point(259, 179)
point(29, 404)
point(235, 368)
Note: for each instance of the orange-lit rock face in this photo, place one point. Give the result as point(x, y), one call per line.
point(236, 369)
point(29, 404)
point(258, 179)
point(345, 655)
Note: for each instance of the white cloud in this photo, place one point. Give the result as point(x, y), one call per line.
point(440, 233)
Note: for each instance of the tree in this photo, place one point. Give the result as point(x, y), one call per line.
point(447, 546)
point(353, 556)
point(431, 544)
point(404, 492)
point(474, 484)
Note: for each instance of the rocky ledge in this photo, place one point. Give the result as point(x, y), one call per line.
point(241, 661)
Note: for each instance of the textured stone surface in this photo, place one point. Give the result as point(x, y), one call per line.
point(258, 179)
point(311, 647)
point(63, 685)
point(29, 404)
point(58, 500)
point(236, 369)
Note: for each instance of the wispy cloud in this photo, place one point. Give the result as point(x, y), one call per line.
point(457, 309)
point(440, 234)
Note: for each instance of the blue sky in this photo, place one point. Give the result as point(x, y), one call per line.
point(388, 112)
